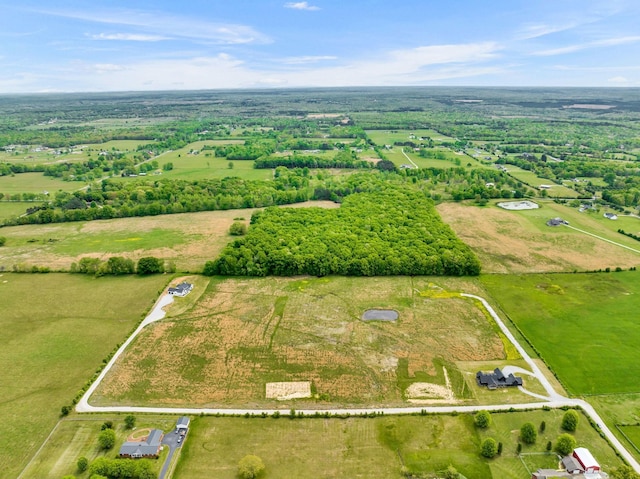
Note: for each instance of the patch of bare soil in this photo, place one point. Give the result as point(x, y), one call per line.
point(506, 243)
point(288, 390)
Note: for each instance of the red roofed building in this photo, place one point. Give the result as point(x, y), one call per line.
point(586, 460)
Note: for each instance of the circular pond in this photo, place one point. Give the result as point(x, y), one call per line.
point(380, 315)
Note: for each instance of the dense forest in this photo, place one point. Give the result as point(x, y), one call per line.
point(389, 232)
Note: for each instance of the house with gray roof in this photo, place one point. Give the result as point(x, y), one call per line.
point(497, 379)
point(181, 290)
point(150, 447)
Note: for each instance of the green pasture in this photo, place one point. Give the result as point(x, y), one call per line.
point(35, 183)
point(9, 209)
point(77, 436)
point(380, 446)
point(621, 411)
point(116, 145)
point(583, 325)
point(535, 181)
point(57, 329)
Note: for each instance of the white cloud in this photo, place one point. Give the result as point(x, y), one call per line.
point(301, 6)
point(618, 80)
point(130, 37)
point(531, 31)
point(165, 25)
point(307, 59)
point(583, 46)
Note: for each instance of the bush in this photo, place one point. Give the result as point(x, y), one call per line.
point(107, 439)
point(130, 421)
point(565, 444)
point(570, 420)
point(528, 433)
point(83, 464)
point(3, 240)
point(543, 426)
point(106, 425)
point(238, 229)
point(250, 467)
point(489, 448)
point(482, 419)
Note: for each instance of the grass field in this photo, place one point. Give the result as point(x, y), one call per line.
point(245, 333)
point(9, 209)
point(57, 330)
point(593, 318)
point(389, 137)
point(374, 447)
point(189, 239)
point(530, 178)
point(35, 183)
point(521, 242)
point(78, 436)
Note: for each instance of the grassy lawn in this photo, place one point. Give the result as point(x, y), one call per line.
point(35, 183)
point(375, 447)
point(389, 137)
point(77, 436)
point(9, 209)
point(535, 181)
point(245, 333)
point(588, 320)
point(57, 330)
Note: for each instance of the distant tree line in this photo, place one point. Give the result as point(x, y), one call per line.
point(388, 232)
point(118, 265)
point(341, 160)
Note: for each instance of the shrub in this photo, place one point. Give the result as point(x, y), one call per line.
point(250, 467)
point(543, 426)
point(570, 420)
point(3, 240)
point(238, 229)
point(130, 421)
point(150, 265)
point(482, 419)
point(489, 448)
point(528, 433)
point(83, 464)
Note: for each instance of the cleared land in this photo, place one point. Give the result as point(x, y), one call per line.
point(57, 329)
point(329, 448)
point(189, 239)
point(35, 183)
point(593, 320)
point(243, 334)
point(521, 242)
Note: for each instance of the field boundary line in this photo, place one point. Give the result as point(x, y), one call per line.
point(603, 239)
point(33, 458)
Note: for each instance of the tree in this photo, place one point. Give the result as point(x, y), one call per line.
point(624, 472)
point(543, 426)
point(565, 444)
point(230, 165)
point(107, 439)
point(83, 464)
point(528, 433)
point(250, 467)
point(167, 166)
point(549, 446)
point(570, 420)
point(150, 265)
point(489, 448)
point(450, 473)
point(238, 229)
point(130, 421)
point(482, 419)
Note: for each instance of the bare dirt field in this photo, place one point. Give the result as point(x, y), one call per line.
point(512, 242)
point(246, 333)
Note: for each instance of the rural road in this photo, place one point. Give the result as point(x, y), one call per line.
point(407, 157)
point(553, 399)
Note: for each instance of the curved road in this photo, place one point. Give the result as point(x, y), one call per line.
point(553, 399)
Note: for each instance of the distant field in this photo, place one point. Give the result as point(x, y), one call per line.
point(188, 239)
point(535, 181)
point(35, 183)
point(521, 242)
point(593, 320)
point(389, 137)
point(245, 333)
point(9, 209)
point(57, 329)
point(355, 447)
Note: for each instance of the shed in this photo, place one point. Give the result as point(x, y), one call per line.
point(183, 423)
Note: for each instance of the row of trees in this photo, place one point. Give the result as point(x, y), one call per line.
point(390, 232)
point(343, 159)
point(118, 265)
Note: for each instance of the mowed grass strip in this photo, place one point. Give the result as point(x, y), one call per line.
point(375, 447)
point(584, 325)
point(57, 329)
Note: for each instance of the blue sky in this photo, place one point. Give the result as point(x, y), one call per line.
point(116, 45)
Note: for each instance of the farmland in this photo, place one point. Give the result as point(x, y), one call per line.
point(354, 447)
point(573, 306)
point(57, 330)
point(243, 334)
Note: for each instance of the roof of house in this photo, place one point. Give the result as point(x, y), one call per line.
point(497, 379)
point(549, 474)
point(182, 287)
point(149, 447)
point(585, 457)
point(571, 464)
